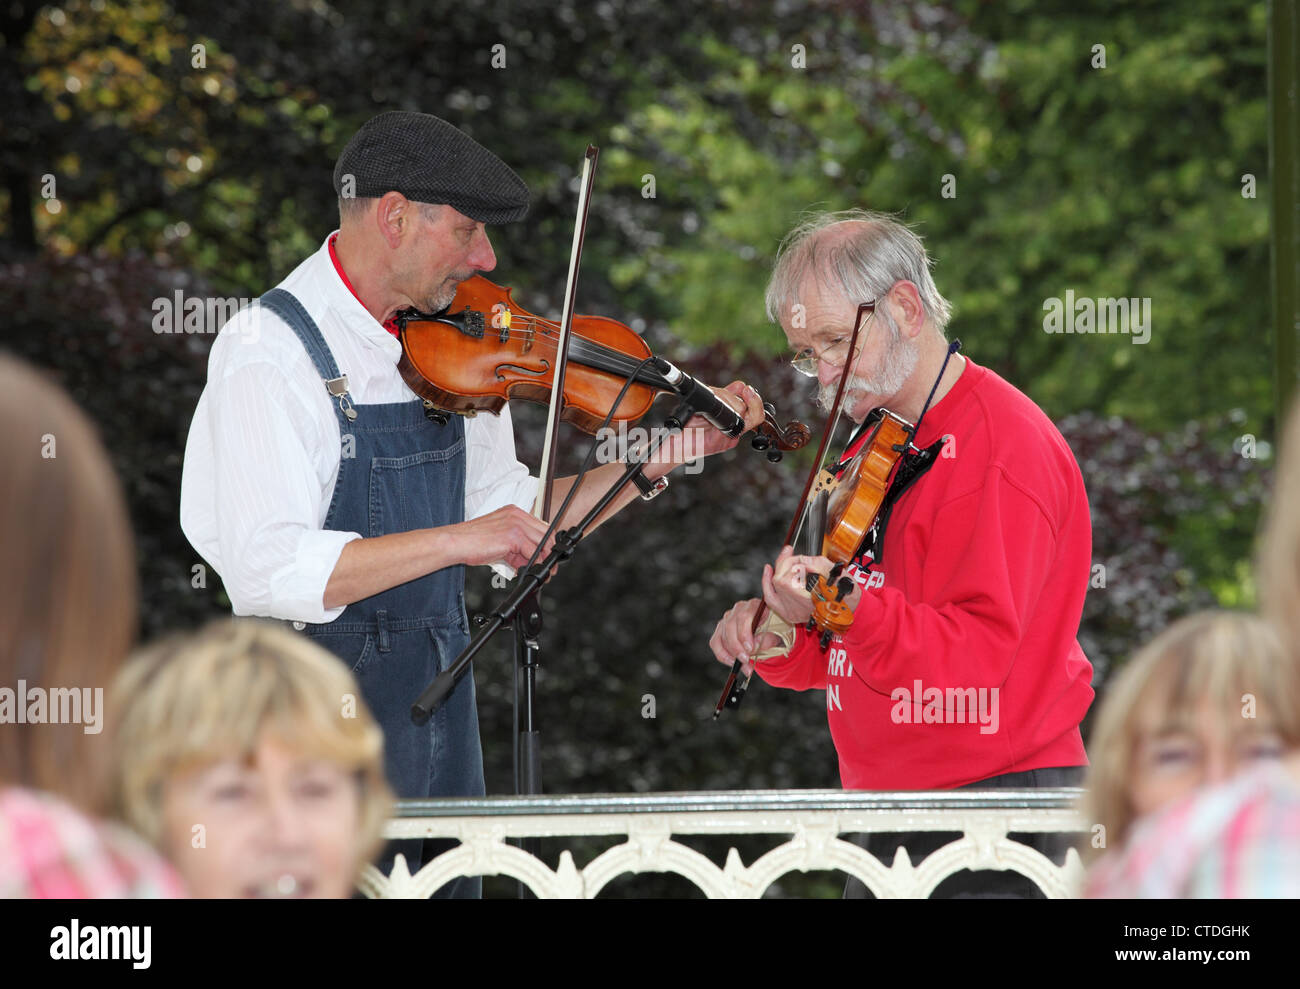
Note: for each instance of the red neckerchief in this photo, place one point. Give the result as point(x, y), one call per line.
point(391, 325)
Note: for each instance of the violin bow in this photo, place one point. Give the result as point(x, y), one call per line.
point(733, 691)
point(546, 472)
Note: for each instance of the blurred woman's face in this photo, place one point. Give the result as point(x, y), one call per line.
point(1173, 759)
point(283, 826)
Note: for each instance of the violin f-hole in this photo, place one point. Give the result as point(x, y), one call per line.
point(546, 366)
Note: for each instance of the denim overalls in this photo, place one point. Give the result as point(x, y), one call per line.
point(405, 473)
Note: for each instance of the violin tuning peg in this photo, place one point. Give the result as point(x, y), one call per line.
point(774, 456)
point(760, 442)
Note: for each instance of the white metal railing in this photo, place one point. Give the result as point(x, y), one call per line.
point(814, 820)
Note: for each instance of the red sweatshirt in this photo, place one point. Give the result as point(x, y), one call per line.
point(962, 661)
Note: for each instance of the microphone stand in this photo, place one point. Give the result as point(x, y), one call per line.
point(522, 609)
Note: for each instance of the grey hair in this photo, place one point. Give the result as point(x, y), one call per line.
point(861, 252)
point(352, 209)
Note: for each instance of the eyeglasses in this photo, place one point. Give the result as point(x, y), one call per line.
point(806, 361)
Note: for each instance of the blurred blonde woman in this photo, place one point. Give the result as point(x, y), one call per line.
point(1213, 696)
point(246, 755)
point(67, 622)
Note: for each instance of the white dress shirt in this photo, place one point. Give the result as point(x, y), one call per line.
point(264, 447)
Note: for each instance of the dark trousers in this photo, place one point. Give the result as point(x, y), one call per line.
point(966, 884)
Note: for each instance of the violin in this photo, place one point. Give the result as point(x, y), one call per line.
point(484, 350)
point(854, 495)
point(843, 504)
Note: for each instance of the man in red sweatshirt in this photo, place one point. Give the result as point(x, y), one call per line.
point(962, 666)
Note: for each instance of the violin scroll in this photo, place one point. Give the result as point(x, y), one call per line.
point(771, 439)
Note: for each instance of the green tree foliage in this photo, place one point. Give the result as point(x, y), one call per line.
point(1030, 168)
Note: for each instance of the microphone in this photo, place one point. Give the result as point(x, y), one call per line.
point(701, 398)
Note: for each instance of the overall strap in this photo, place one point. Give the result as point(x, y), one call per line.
point(286, 305)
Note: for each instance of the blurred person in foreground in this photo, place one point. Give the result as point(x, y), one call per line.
point(245, 753)
point(67, 621)
point(1240, 838)
point(1188, 781)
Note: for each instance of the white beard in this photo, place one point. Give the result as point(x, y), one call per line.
point(898, 364)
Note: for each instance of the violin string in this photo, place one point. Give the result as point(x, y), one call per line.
point(602, 358)
point(584, 348)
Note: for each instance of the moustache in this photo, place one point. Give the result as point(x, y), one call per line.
point(855, 388)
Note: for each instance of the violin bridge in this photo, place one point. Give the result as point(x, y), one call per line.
point(826, 481)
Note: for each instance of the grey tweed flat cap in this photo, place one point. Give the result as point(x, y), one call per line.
point(428, 160)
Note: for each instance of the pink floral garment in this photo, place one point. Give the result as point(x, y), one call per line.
point(1238, 840)
point(49, 850)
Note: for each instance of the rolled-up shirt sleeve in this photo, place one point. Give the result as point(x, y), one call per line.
point(253, 492)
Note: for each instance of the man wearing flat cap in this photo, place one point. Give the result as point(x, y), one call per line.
point(316, 485)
